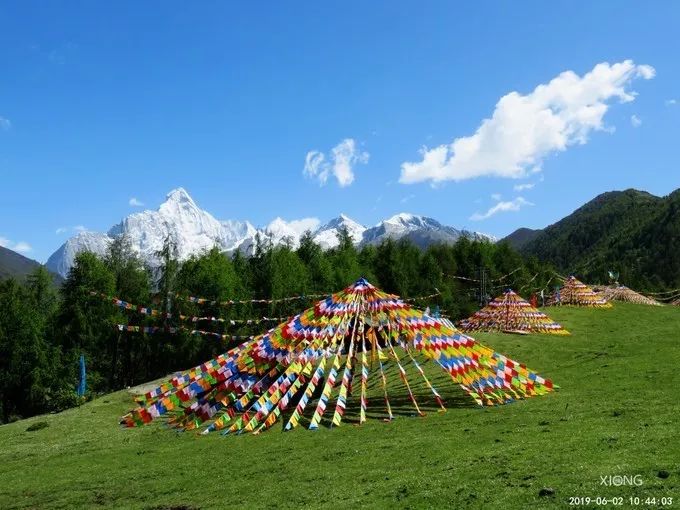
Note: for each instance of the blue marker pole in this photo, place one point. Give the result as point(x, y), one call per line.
point(82, 386)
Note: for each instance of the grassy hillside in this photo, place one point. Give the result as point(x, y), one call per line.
point(615, 414)
point(631, 232)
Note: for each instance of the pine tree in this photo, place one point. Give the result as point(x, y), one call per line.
point(319, 269)
point(211, 276)
point(344, 260)
point(26, 370)
point(130, 360)
point(85, 325)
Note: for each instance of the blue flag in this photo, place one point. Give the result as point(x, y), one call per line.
point(82, 386)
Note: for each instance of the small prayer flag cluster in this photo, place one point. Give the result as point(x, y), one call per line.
point(577, 293)
point(509, 312)
point(322, 355)
point(622, 293)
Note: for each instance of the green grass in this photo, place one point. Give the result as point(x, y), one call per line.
point(616, 413)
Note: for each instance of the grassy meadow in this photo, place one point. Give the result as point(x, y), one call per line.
point(617, 412)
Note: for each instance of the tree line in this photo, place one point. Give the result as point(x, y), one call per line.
point(44, 330)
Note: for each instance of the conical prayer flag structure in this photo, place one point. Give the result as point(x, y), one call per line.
point(510, 313)
point(576, 293)
point(316, 360)
point(622, 293)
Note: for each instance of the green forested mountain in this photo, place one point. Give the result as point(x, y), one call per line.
point(522, 236)
point(630, 232)
point(14, 265)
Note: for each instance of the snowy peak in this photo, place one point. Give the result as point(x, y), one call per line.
point(341, 220)
point(401, 218)
point(407, 221)
point(63, 259)
point(420, 230)
point(398, 226)
point(178, 203)
point(179, 219)
point(179, 207)
point(179, 196)
point(327, 235)
point(234, 232)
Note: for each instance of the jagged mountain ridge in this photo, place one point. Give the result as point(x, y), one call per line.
point(194, 230)
point(420, 230)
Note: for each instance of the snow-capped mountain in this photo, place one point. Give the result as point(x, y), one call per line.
point(179, 218)
point(235, 232)
point(420, 230)
point(327, 235)
point(62, 260)
point(194, 231)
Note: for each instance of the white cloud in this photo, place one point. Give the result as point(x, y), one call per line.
point(315, 166)
point(496, 196)
point(647, 72)
point(295, 226)
point(134, 202)
point(340, 164)
point(513, 205)
point(77, 228)
point(671, 102)
point(21, 246)
point(524, 129)
point(407, 198)
point(5, 123)
point(522, 187)
point(281, 229)
point(635, 121)
point(301, 226)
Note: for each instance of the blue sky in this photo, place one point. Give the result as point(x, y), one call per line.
point(101, 104)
